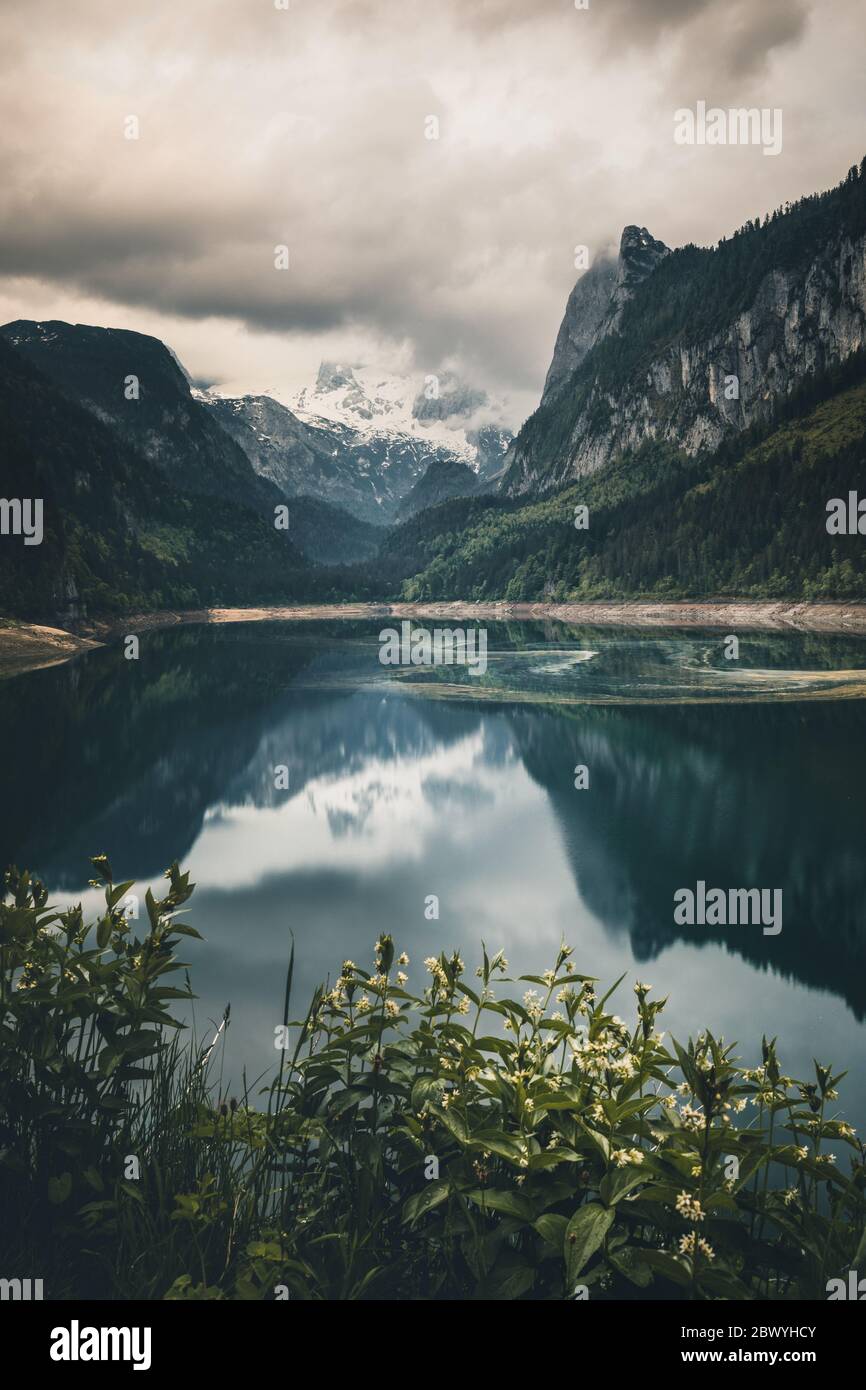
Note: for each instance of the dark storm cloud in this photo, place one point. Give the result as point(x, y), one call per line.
point(743, 32)
point(307, 128)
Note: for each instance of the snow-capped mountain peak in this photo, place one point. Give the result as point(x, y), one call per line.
point(364, 439)
point(439, 410)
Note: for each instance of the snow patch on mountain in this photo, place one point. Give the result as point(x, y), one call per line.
point(363, 438)
point(436, 411)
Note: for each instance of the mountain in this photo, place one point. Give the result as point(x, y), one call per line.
point(366, 472)
point(447, 398)
point(596, 303)
point(746, 520)
point(444, 478)
point(298, 458)
point(156, 413)
point(704, 405)
point(491, 444)
point(117, 534)
point(394, 428)
point(368, 398)
point(362, 440)
point(698, 344)
point(329, 535)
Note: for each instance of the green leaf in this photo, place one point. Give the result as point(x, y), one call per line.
point(600, 1140)
point(584, 1234)
point(748, 1169)
point(93, 1179)
point(344, 1100)
point(500, 1045)
point(421, 1202)
point(109, 1060)
point(142, 1042)
point(452, 1121)
point(552, 1228)
point(470, 993)
point(265, 1250)
point(425, 1088)
point(498, 1142)
point(504, 1201)
point(59, 1189)
point(152, 909)
point(720, 1283)
point(513, 1284)
point(549, 1158)
point(671, 1266)
point(620, 1182)
point(119, 891)
point(631, 1263)
point(614, 987)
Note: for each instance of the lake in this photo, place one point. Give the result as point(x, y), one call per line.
point(410, 783)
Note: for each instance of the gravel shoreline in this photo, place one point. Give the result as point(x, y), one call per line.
point(771, 616)
point(29, 646)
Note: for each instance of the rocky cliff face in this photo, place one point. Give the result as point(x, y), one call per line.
point(697, 344)
point(365, 472)
point(596, 303)
point(294, 456)
point(362, 440)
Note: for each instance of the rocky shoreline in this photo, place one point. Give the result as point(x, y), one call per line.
point(28, 646)
point(770, 616)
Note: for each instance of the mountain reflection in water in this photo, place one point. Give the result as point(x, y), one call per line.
point(409, 783)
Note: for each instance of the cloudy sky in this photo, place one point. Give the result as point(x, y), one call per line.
point(262, 126)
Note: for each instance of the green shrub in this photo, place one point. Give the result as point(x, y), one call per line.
point(453, 1144)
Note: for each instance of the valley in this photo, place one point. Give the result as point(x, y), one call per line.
point(412, 489)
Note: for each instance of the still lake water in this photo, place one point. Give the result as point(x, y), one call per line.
point(407, 783)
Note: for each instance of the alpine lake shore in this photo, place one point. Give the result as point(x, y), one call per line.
point(28, 646)
point(478, 1137)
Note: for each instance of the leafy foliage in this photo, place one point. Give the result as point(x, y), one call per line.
point(457, 1143)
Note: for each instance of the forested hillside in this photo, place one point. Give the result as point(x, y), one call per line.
point(117, 534)
point(780, 300)
point(748, 520)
